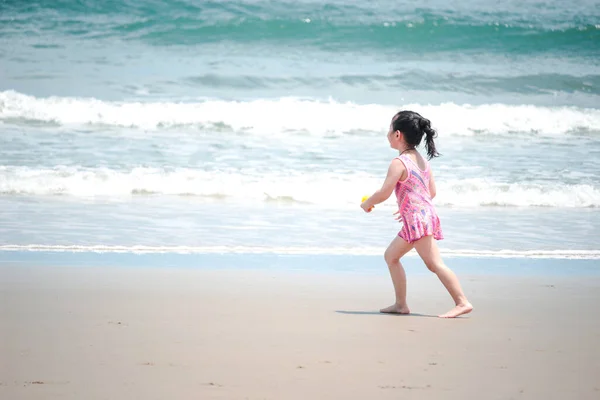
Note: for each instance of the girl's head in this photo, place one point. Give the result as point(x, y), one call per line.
point(407, 130)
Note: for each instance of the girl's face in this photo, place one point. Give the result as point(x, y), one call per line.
point(394, 137)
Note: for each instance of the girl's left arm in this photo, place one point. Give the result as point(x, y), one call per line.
point(394, 174)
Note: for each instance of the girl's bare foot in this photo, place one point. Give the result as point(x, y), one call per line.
point(458, 310)
point(396, 309)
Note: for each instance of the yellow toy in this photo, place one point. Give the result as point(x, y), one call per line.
point(363, 200)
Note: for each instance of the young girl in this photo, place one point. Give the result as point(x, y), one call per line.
point(410, 177)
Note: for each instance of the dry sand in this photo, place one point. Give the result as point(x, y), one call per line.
point(142, 333)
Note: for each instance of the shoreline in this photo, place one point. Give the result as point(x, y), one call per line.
point(308, 263)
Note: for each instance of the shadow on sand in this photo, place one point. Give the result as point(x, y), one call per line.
point(386, 314)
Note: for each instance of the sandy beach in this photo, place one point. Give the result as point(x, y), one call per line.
point(157, 333)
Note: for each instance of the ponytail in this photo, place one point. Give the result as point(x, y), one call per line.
point(430, 134)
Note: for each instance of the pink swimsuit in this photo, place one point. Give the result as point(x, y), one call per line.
point(414, 202)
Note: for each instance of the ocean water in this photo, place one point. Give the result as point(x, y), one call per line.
point(257, 126)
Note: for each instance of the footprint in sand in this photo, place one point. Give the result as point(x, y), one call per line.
point(405, 387)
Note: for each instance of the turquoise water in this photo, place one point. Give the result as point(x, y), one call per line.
point(190, 126)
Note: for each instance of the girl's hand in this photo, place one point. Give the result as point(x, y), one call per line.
point(397, 215)
point(363, 205)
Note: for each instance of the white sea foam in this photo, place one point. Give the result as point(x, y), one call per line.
point(320, 189)
point(486, 192)
point(355, 250)
point(285, 115)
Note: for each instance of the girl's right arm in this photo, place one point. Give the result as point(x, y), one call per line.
point(432, 191)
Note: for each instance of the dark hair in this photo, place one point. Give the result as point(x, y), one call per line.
point(413, 126)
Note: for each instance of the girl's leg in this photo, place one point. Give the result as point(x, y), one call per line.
point(397, 248)
point(429, 252)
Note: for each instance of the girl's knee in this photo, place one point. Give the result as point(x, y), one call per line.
point(433, 266)
point(390, 258)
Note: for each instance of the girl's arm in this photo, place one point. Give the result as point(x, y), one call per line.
point(395, 173)
point(432, 191)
